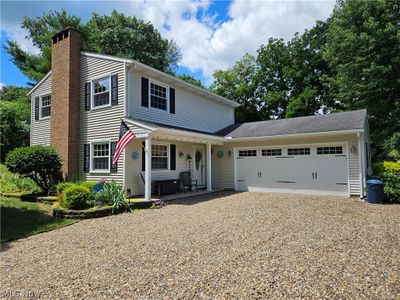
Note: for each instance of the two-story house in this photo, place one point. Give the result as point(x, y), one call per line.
point(78, 107)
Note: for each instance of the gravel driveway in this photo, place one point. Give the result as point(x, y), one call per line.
point(246, 245)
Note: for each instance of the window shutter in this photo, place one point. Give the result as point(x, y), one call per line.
point(172, 100)
point(86, 157)
point(113, 168)
point(172, 149)
point(36, 108)
point(87, 95)
point(114, 89)
point(143, 158)
point(145, 92)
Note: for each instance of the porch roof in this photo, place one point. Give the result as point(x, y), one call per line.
point(173, 132)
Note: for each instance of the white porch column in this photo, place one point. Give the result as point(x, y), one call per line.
point(147, 175)
point(208, 166)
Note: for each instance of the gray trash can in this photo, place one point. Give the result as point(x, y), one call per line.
point(375, 191)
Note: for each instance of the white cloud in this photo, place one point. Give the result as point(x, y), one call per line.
point(16, 33)
point(2, 85)
point(207, 46)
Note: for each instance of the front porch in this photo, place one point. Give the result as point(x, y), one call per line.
point(159, 155)
point(182, 195)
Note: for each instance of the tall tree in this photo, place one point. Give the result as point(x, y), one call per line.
point(14, 121)
point(190, 79)
point(130, 37)
point(363, 47)
point(116, 34)
point(238, 84)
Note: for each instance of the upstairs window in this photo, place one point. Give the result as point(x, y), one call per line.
point(101, 92)
point(298, 151)
point(246, 153)
point(101, 156)
point(159, 157)
point(158, 96)
point(45, 107)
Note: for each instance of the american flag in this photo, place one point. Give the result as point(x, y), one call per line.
point(125, 136)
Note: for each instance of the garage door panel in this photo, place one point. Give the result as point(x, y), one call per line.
point(313, 173)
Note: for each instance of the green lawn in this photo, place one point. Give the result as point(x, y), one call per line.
point(21, 219)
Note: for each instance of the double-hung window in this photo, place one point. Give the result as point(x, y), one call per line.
point(101, 92)
point(101, 156)
point(158, 96)
point(159, 157)
point(45, 106)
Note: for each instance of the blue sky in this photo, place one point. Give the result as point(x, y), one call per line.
point(211, 34)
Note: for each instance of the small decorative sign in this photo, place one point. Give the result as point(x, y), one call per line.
point(135, 155)
point(220, 154)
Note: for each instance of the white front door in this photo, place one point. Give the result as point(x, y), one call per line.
point(199, 165)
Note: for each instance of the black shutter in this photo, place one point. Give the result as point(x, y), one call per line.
point(143, 158)
point(86, 157)
point(87, 95)
point(113, 168)
point(172, 100)
point(114, 89)
point(172, 150)
point(145, 92)
point(36, 108)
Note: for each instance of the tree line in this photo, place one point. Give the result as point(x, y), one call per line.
point(349, 61)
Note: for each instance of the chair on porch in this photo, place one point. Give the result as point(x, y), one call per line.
point(186, 181)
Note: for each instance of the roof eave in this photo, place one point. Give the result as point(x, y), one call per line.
point(323, 133)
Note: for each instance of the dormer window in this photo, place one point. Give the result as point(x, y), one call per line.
point(45, 107)
point(158, 96)
point(101, 92)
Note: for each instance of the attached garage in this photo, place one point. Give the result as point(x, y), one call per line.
point(322, 154)
point(310, 169)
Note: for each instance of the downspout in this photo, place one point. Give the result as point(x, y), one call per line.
point(360, 165)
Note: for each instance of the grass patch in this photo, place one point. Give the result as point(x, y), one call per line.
point(13, 183)
point(21, 219)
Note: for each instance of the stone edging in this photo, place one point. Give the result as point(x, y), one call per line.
point(96, 213)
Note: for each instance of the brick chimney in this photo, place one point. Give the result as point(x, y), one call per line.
point(65, 91)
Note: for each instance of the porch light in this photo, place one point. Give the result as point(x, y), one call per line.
point(189, 158)
point(353, 149)
point(181, 155)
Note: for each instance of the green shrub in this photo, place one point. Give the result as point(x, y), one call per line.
point(13, 183)
point(40, 163)
point(389, 172)
point(89, 184)
point(62, 186)
point(76, 197)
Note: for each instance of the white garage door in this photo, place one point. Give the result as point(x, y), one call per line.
point(317, 169)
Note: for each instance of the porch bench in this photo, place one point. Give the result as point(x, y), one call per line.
point(166, 186)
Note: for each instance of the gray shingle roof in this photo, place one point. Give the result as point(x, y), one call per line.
point(350, 120)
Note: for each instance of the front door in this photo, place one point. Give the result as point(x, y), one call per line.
point(199, 165)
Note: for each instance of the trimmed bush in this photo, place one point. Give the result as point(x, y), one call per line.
point(389, 172)
point(76, 197)
point(89, 184)
point(40, 163)
point(63, 186)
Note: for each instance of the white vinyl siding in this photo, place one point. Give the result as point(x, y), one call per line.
point(191, 111)
point(40, 129)
point(101, 123)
